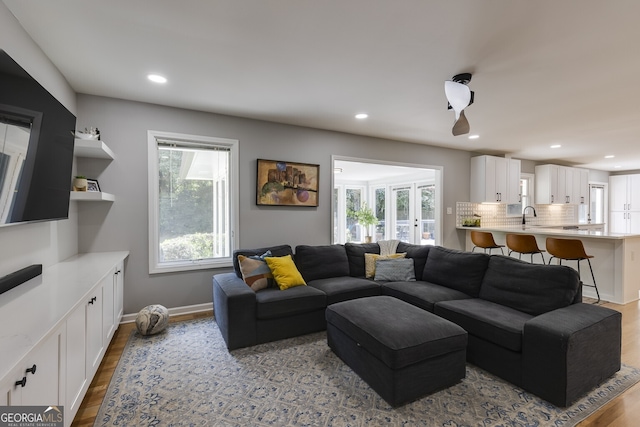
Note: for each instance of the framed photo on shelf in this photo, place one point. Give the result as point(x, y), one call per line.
point(282, 183)
point(92, 185)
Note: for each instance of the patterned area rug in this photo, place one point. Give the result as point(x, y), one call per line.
point(186, 376)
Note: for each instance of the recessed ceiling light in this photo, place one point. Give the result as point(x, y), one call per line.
point(609, 156)
point(362, 116)
point(474, 136)
point(556, 146)
point(157, 78)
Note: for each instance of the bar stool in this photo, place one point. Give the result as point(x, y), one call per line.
point(484, 240)
point(571, 250)
point(524, 244)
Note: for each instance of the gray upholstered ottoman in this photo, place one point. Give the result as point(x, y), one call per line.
point(400, 350)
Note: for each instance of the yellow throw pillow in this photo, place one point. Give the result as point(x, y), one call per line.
point(285, 272)
point(370, 262)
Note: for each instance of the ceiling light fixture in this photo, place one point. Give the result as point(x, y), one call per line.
point(609, 156)
point(474, 136)
point(157, 78)
point(362, 116)
point(556, 146)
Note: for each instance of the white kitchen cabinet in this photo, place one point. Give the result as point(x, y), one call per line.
point(72, 314)
point(557, 184)
point(624, 203)
point(495, 180)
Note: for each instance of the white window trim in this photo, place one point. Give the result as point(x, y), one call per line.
point(152, 154)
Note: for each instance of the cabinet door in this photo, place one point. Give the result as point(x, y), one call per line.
point(119, 293)
point(634, 193)
point(618, 222)
point(76, 378)
point(618, 189)
point(580, 186)
point(513, 182)
point(634, 222)
point(10, 394)
point(108, 314)
point(500, 177)
point(41, 370)
point(94, 331)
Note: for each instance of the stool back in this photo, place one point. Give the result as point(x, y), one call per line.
point(483, 239)
point(523, 243)
point(571, 249)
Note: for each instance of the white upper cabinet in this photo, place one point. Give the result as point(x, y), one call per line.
point(561, 184)
point(495, 180)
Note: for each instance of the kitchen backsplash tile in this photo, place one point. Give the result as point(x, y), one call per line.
point(495, 215)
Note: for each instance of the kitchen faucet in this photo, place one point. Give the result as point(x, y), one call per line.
point(525, 210)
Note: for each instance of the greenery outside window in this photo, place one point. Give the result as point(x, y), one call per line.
point(193, 204)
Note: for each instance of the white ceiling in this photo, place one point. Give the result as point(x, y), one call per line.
point(544, 72)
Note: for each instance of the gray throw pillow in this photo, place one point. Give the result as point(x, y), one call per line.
point(395, 270)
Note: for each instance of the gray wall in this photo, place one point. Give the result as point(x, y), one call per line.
point(47, 242)
point(122, 225)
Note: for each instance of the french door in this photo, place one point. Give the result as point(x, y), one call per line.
point(413, 213)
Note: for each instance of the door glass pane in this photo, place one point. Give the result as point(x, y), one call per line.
point(596, 203)
point(427, 214)
point(336, 219)
point(354, 201)
point(402, 232)
point(380, 213)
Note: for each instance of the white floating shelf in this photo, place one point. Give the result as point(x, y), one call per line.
point(92, 196)
point(92, 148)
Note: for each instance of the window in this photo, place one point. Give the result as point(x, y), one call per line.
point(193, 202)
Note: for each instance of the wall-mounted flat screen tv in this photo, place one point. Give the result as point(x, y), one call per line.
point(36, 149)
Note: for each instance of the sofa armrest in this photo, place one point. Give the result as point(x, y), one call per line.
point(569, 351)
point(234, 307)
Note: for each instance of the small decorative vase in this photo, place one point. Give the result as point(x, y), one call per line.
point(367, 239)
point(79, 184)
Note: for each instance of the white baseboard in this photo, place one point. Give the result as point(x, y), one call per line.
point(189, 309)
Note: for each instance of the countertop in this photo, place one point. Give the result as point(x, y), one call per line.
point(554, 230)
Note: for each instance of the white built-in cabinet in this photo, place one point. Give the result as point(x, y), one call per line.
point(91, 149)
point(495, 180)
point(557, 184)
point(624, 203)
point(61, 324)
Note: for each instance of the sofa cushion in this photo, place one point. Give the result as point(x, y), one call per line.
point(346, 288)
point(492, 322)
point(285, 272)
point(454, 269)
point(418, 253)
point(421, 294)
point(355, 254)
point(370, 263)
point(530, 288)
point(280, 250)
point(321, 262)
point(272, 303)
point(393, 270)
point(255, 271)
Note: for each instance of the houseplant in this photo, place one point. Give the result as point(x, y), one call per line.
point(365, 218)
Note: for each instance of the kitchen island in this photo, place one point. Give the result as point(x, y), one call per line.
point(616, 262)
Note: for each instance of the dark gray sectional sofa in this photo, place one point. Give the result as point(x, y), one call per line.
point(525, 322)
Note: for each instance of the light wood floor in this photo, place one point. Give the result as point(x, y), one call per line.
point(622, 411)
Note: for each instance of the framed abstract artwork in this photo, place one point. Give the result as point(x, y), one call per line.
point(282, 183)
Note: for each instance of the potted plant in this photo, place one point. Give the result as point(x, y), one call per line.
point(80, 183)
point(366, 218)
